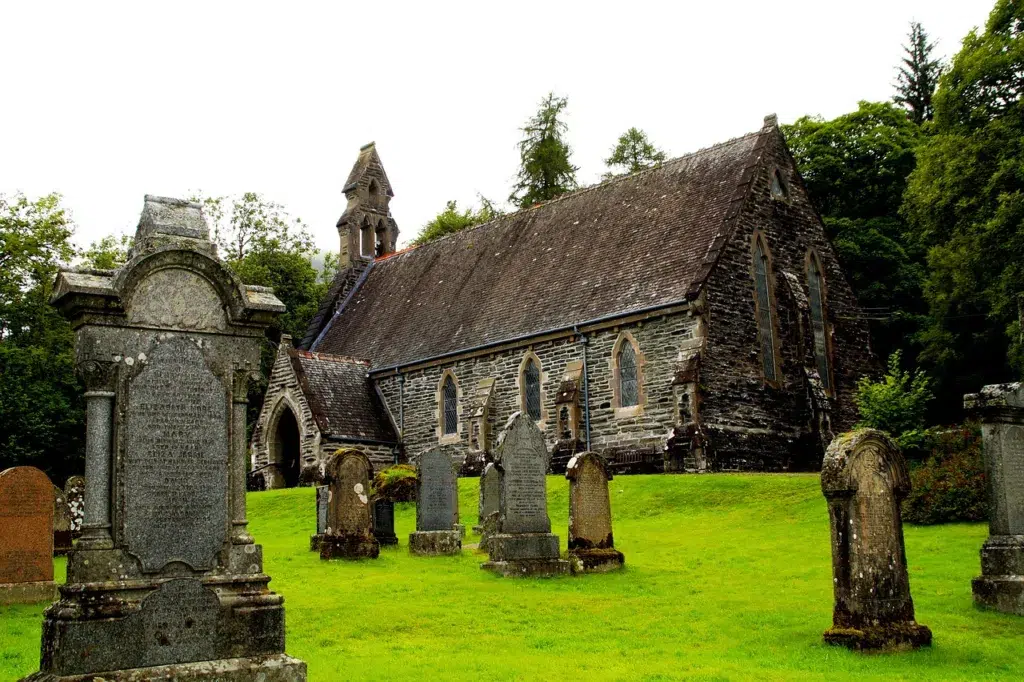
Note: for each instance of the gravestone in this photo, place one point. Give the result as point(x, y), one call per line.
point(166, 346)
point(864, 479)
point(487, 510)
point(26, 536)
point(591, 544)
point(349, 532)
point(523, 544)
point(382, 513)
point(1000, 409)
point(437, 510)
point(74, 490)
point(322, 497)
point(61, 523)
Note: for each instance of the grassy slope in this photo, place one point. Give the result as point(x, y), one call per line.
point(727, 577)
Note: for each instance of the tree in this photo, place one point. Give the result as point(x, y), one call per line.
point(41, 410)
point(634, 152)
point(896, 403)
point(919, 75)
point(965, 203)
point(451, 220)
point(251, 221)
point(109, 253)
point(545, 171)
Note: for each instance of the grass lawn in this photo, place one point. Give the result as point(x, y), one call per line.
point(727, 577)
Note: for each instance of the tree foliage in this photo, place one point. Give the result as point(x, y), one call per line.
point(965, 203)
point(249, 221)
point(633, 152)
point(545, 170)
point(896, 403)
point(918, 76)
point(109, 253)
point(452, 220)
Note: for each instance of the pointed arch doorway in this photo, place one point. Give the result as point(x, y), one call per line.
point(286, 447)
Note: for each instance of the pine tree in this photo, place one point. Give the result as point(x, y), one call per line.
point(634, 152)
point(545, 171)
point(919, 75)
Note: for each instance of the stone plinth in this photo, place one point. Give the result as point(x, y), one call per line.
point(591, 543)
point(1000, 409)
point(435, 542)
point(26, 536)
point(864, 479)
point(165, 581)
point(349, 532)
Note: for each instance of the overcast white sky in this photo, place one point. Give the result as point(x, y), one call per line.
point(105, 103)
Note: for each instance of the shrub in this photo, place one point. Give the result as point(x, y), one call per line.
point(950, 484)
point(896, 404)
point(396, 483)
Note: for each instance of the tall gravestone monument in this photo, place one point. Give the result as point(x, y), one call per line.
point(436, 506)
point(323, 494)
point(523, 544)
point(26, 536)
point(864, 479)
point(166, 582)
point(1000, 409)
point(591, 544)
point(349, 532)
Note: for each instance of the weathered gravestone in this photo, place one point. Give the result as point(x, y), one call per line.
point(74, 491)
point(591, 545)
point(61, 523)
point(323, 494)
point(349, 532)
point(166, 582)
point(382, 514)
point(864, 479)
point(490, 491)
point(523, 544)
point(436, 506)
point(26, 536)
point(1000, 409)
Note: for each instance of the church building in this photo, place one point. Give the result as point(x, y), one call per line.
point(688, 317)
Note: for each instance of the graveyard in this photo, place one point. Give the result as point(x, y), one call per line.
point(726, 577)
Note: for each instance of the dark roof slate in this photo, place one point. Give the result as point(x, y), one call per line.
point(630, 243)
point(343, 400)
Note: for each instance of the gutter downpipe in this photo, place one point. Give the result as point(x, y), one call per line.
point(586, 386)
point(401, 412)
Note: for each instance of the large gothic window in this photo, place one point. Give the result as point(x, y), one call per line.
point(816, 286)
point(763, 297)
point(531, 389)
point(450, 406)
point(629, 395)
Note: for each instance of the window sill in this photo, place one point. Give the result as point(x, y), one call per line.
point(450, 439)
point(629, 412)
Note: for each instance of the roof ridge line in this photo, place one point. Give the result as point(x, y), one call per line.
point(329, 357)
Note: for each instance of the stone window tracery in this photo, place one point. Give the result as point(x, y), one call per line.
point(628, 395)
point(450, 406)
point(819, 320)
point(531, 389)
point(764, 304)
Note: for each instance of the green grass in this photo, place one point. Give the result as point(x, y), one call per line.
point(728, 578)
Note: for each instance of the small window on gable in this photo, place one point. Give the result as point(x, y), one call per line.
point(628, 393)
point(779, 188)
point(763, 299)
point(531, 389)
point(450, 406)
point(380, 241)
point(374, 189)
point(819, 322)
point(366, 240)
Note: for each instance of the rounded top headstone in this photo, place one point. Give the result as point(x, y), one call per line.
point(838, 471)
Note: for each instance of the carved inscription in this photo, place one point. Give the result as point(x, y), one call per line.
point(175, 460)
point(591, 508)
point(524, 504)
point(26, 526)
point(180, 623)
point(1013, 479)
point(436, 508)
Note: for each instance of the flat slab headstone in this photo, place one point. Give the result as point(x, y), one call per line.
point(591, 542)
point(490, 491)
point(323, 494)
point(383, 516)
point(349, 532)
point(437, 510)
point(864, 478)
point(26, 536)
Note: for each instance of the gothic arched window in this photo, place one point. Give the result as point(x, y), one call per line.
point(531, 389)
point(450, 405)
point(366, 239)
point(819, 323)
point(380, 244)
point(629, 395)
point(763, 298)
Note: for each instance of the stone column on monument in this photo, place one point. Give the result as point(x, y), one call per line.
point(1000, 409)
point(99, 376)
point(241, 376)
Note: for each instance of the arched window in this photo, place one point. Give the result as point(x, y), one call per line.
point(381, 239)
point(374, 189)
point(531, 389)
point(366, 239)
point(450, 405)
point(629, 394)
point(763, 298)
point(819, 323)
point(779, 188)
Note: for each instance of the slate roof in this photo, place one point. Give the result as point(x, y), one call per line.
point(343, 400)
point(628, 244)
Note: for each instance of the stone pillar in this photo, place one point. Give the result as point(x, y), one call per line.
point(864, 478)
point(239, 406)
point(1000, 409)
point(98, 376)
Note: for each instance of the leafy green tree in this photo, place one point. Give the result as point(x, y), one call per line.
point(545, 170)
point(965, 202)
point(918, 76)
point(249, 221)
point(109, 253)
point(633, 152)
point(452, 220)
point(897, 403)
point(855, 168)
point(41, 410)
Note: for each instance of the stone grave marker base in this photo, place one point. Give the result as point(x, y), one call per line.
point(351, 546)
point(279, 668)
point(889, 637)
point(596, 560)
point(528, 568)
point(1001, 584)
point(314, 542)
point(435, 542)
point(385, 540)
point(524, 555)
point(27, 593)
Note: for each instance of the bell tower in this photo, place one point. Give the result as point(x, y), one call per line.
point(366, 228)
